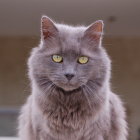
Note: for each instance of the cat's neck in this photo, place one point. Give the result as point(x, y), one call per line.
point(70, 109)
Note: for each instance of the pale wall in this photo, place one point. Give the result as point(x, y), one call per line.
point(125, 54)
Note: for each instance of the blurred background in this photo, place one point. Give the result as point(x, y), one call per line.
point(20, 32)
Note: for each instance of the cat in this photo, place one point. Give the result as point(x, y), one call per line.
point(71, 96)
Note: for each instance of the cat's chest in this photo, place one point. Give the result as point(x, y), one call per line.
point(83, 134)
point(61, 124)
point(65, 119)
point(67, 116)
point(65, 111)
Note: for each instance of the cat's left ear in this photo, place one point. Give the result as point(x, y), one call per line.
point(48, 28)
point(94, 32)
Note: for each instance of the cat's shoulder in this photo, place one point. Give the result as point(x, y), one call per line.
point(116, 104)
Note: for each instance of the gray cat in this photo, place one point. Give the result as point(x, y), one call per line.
point(70, 78)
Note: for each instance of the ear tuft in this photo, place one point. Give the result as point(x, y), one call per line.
point(48, 28)
point(98, 26)
point(94, 31)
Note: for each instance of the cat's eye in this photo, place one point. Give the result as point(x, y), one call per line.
point(83, 60)
point(57, 58)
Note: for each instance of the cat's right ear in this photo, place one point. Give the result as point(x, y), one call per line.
point(48, 28)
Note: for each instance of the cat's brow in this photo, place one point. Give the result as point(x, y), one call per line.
point(88, 53)
point(52, 51)
point(71, 52)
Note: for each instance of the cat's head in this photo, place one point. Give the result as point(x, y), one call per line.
point(69, 57)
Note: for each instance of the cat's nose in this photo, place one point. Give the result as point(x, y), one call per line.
point(69, 76)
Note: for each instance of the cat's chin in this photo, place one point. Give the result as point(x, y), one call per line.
point(67, 87)
point(69, 90)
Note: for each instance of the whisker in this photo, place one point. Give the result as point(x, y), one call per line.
point(44, 83)
point(86, 98)
point(49, 89)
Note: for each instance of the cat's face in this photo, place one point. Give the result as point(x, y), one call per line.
point(69, 57)
point(67, 70)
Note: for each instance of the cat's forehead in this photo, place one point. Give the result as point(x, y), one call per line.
point(70, 37)
point(70, 32)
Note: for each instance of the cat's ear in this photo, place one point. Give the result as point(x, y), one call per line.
point(94, 32)
point(48, 28)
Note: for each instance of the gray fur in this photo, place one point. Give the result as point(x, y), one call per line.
point(83, 109)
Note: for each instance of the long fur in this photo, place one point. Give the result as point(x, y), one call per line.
point(88, 110)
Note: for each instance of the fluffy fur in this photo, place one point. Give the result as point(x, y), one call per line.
point(83, 108)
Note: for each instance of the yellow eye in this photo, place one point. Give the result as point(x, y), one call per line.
point(57, 58)
point(83, 60)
